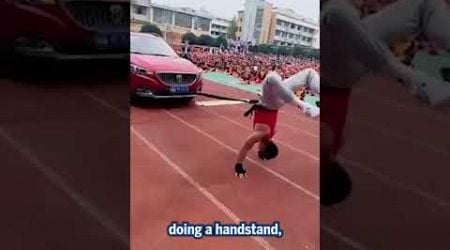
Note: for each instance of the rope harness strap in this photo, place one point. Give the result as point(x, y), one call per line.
point(249, 101)
point(256, 104)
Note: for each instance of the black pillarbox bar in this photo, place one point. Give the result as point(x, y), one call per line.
point(384, 124)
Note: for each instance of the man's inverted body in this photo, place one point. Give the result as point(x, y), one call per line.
point(275, 94)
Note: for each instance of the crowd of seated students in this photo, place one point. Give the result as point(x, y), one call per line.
point(250, 68)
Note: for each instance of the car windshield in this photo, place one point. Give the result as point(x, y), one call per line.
point(149, 45)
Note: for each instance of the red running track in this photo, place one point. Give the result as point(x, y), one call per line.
point(182, 170)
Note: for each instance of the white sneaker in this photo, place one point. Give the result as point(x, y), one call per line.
point(312, 111)
point(433, 91)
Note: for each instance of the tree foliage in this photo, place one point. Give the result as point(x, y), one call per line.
point(151, 28)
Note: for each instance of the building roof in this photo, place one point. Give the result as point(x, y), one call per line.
point(186, 10)
point(292, 14)
point(222, 19)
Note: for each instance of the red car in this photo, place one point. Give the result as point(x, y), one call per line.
point(156, 71)
point(66, 29)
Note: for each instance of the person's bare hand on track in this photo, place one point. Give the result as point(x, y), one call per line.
point(240, 171)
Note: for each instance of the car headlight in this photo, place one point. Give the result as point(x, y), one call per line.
point(140, 71)
point(37, 2)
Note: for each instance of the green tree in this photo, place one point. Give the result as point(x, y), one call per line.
point(151, 28)
point(221, 40)
point(205, 40)
point(190, 37)
point(282, 50)
point(232, 29)
point(264, 48)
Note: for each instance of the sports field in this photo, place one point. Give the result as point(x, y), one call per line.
point(182, 160)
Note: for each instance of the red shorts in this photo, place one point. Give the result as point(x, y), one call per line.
point(268, 117)
point(334, 114)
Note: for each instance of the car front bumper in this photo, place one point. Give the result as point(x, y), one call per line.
point(148, 94)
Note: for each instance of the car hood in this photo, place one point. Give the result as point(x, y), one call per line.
point(164, 64)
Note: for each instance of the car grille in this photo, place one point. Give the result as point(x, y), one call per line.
point(177, 79)
point(98, 15)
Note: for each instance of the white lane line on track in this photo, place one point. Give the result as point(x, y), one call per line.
point(307, 154)
point(106, 104)
point(365, 169)
point(348, 241)
point(337, 235)
point(423, 110)
point(59, 182)
point(297, 130)
point(370, 171)
point(274, 173)
point(263, 243)
point(400, 137)
point(393, 182)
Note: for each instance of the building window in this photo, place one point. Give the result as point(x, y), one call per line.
point(140, 10)
point(202, 24)
point(277, 33)
point(183, 20)
point(279, 22)
point(292, 26)
point(162, 16)
point(257, 34)
point(259, 18)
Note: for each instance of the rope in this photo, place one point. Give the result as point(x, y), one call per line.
point(249, 101)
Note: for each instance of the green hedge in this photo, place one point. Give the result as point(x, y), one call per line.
point(286, 51)
point(205, 40)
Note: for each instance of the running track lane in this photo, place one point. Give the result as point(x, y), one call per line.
point(395, 156)
point(393, 182)
point(51, 197)
point(174, 137)
point(159, 195)
point(301, 169)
